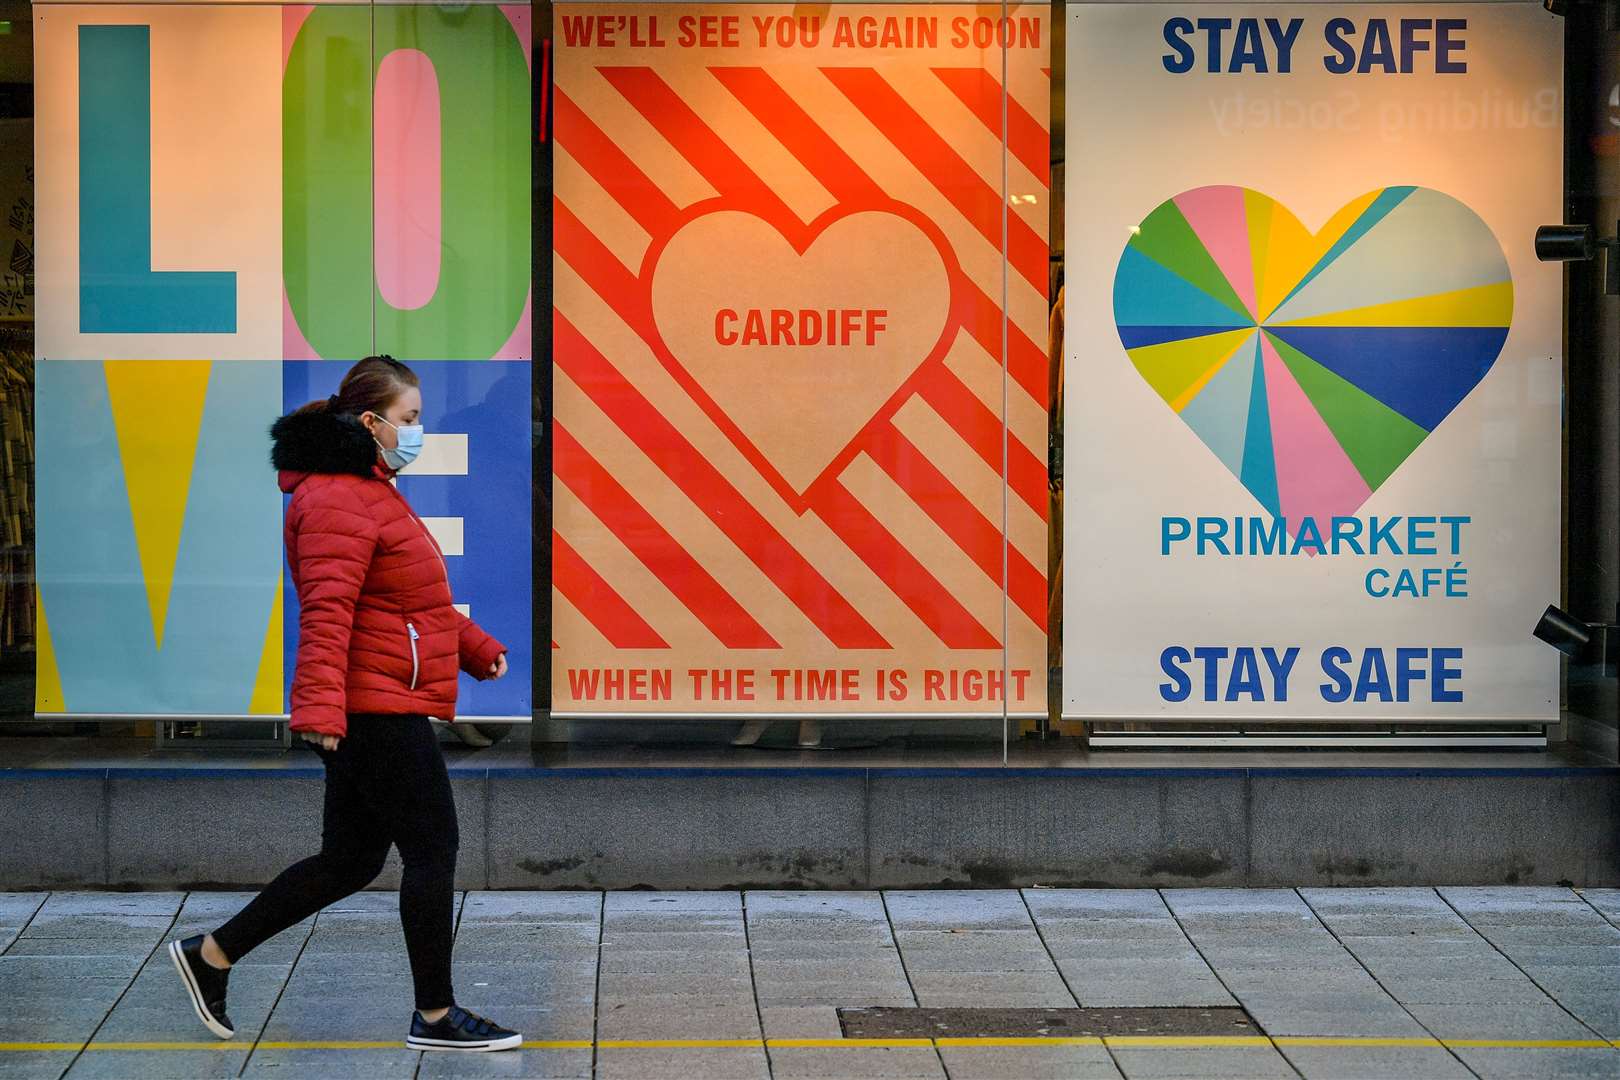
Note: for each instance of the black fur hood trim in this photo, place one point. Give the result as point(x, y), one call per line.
point(322, 442)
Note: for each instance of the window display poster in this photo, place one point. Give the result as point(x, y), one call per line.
point(781, 291)
point(235, 203)
point(1314, 370)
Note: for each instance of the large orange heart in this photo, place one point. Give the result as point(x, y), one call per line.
point(794, 339)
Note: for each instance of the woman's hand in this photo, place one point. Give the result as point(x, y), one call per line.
point(498, 668)
point(328, 741)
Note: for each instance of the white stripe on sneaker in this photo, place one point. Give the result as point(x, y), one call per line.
point(511, 1042)
point(178, 955)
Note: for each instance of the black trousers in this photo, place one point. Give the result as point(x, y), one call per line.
point(385, 784)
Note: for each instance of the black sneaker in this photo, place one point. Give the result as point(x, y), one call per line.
point(204, 983)
point(459, 1029)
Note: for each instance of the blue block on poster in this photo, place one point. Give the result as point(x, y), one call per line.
point(489, 403)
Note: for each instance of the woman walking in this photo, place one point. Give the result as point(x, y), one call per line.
point(379, 647)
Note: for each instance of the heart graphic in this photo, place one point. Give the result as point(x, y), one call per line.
point(794, 339)
point(1312, 365)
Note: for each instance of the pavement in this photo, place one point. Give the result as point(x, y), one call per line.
point(1408, 983)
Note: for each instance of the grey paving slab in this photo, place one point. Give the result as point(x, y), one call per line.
point(616, 960)
point(159, 1065)
point(636, 1063)
point(1025, 989)
point(680, 903)
point(856, 1063)
point(1121, 948)
point(865, 971)
point(1243, 906)
point(722, 936)
point(1112, 976)
point(1374, 1062)
point(809, 908)
point(675, 993)
point(979, 950)
point(525, 1063)
point(800, 1021)
point(1381, 900)
point(1574, 956)
point(320, 1022)
point(1605, 901)
point(113, 903)
point(1600, 1012)
point(1463, 989)
point(532, 907)
point(49, 1024)
point(521, 1064)
point(1113, 905)
point(331, 1064)
point(864, 945)
point(823, 950)
point(1336, 1020)
point(35, 1064)
point(16, 909)
point(1516, 1064)
point(701, 1022)
point(1245, 1062)
point(1547, 1021)
point(952, 939)
point(835, 992)
point(957, 909)
point(1028, 1063)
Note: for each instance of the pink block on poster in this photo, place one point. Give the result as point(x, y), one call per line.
point(1218, 216)
point(407, 192)
point(1315, 478)
point(518, 15)
point(294, 346)
point(292, 21)
point(520, 346)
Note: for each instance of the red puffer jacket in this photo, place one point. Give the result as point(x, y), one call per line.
point(376, 629)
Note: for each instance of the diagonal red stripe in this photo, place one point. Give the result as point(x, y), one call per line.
point(934, 158)
point(836, 171)
point(981, 428)
point(1027, 364)
point(899, 569)
point(794, 128)
point(598, 601)
point(651, 543)
point(714, 495)
point(685, 130)
point(612, 168)
point(975, 534)
point(981, 93)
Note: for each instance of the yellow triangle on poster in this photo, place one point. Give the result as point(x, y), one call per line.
point(48, 695)
point(267, 684)
point(1292, 252)
point(1172, 366)
point(1481, 305)
point(157, 408)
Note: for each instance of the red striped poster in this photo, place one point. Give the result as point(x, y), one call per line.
point(781, 267)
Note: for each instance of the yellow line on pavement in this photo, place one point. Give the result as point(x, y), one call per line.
point(305, 1044)
point(675, 1044)
point(1531, 1044)
point(845, 1044)
point(1028, 1040)
point(1162, 1042)
point(1198, 1042)
point(1356, 1040)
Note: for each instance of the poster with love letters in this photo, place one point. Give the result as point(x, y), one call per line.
point(780, 396)
point(1313, 366)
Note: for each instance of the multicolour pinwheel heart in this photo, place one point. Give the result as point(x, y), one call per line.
point(1313, 365)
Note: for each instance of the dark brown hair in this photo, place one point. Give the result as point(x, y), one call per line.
point(370, 386)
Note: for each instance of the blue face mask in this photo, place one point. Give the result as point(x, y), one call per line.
point(410, 445)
